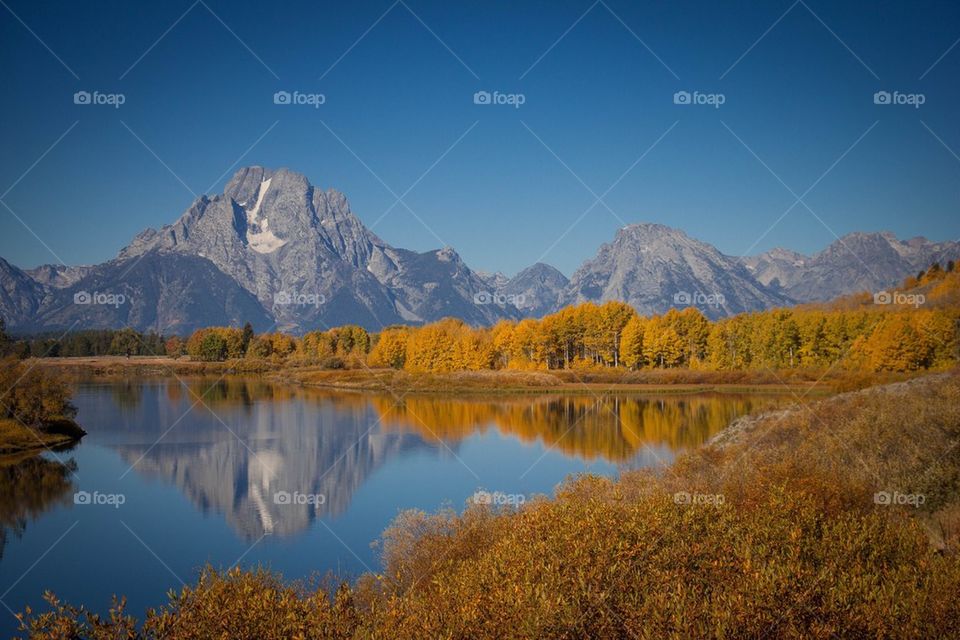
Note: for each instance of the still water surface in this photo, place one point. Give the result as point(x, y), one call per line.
point(298, 480)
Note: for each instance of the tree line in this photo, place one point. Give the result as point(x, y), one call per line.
point(89, 342)
point(613, 335)
point(853, 332)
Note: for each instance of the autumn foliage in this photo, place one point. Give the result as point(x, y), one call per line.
point(852, 333)
point(35, 410)
point(32, 396)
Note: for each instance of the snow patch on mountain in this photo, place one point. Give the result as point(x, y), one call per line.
point(259, 236)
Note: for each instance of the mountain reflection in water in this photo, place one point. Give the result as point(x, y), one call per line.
point(248, 440)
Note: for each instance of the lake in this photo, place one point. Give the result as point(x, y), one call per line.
point(299, 480)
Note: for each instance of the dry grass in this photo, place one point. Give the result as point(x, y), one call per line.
point(122, 368)
point(455, 382)
point(899, 438)
point(17, 438)
point(574, 382)
point(361, 378)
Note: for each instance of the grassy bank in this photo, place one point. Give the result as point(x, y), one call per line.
point(35, 409)
point(837, 519)
point(362, 378)
point(120, 367)
point(570, 382)
point(18, 438)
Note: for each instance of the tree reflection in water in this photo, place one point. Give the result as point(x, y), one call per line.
point(30, 485)
point(614, 428)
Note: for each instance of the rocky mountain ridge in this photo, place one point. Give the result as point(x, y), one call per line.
point(276, 251)
point(654, 267)
point(855, 262)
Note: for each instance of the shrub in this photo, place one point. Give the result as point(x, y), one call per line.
point(33, 395)
point(216, 344)
point(390, 349)
point(175, 347)
point(239, 605)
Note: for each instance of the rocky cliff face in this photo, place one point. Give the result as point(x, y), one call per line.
point(310, 261)
point(777, 267)
point(654, 267)
point(20, 295)
point(535, 290)
point(170, 293)
point(58, 276)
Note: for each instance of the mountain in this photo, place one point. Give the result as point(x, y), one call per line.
point(535, 291)
point(776, 267)
point(855, 262)
point(275, 251)
point(272, 250)
point(58, 276)
point(312, 263)
point(20, 295)
point(653, 268)
point(494, 280)
point(177, 293)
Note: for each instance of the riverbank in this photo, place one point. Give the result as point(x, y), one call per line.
point(35, 409)
point(566, 381)
point(15, 438)
point(559, 382)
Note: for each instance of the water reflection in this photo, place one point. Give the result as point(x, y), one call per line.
point(612, 428)
point(248, 440)
point(29, 486)
point(200, 478)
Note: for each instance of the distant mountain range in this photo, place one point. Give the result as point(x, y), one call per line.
point(855, 262)
point(280, 253)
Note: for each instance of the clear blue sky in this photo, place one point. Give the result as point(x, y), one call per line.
point(402, 95)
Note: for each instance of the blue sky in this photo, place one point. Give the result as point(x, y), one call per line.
point(505, 186)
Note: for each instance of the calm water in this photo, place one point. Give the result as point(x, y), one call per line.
point(181, 483)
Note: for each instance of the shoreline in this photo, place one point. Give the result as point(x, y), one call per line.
point(495, 382)
point(454, 384)
point(17, 439)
